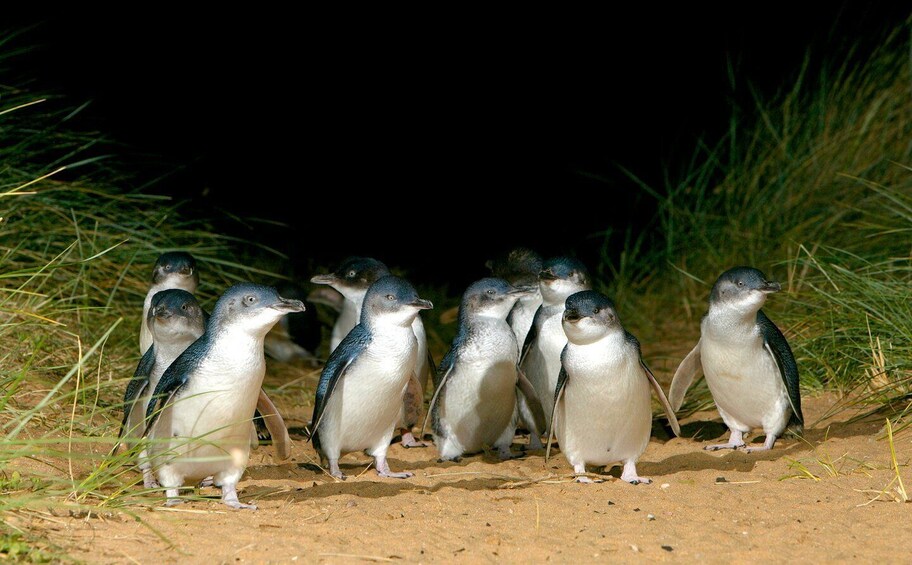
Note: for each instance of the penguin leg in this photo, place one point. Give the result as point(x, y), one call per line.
point(383, 468)
point(230, 497)
point(335, 471)
point(767, 445)
point(735, 440)
point(172, 480)
point(146, 467)
point(629, 474)
point(412, 403)
point(580, 470)
point(504, 442)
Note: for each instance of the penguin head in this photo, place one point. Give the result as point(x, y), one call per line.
point(176, 269)
point(392, 300)
point(491, 297)
point(520, 267)
point(588, 317)
point(353, 277)
point(252, 308)
point(175, 313)
point(562, 276)
point(743, 289)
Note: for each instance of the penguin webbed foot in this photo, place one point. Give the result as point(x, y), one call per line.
point(238, 505)
point(767, 445)
point(207, 482)
point(630, 474)
point(173, 502)
point(735, 441)
point(391, 475)
point(588, 480)
point(505, 454)
point(409, 441)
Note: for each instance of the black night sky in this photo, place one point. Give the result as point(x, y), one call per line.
point(446, 123)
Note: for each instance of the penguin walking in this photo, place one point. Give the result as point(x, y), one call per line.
point(360, 394)
point(352, 279)
point(520, 268)
point(198, 421)
point(540, 359)
point(602, 412)
point(175, 320)
point(175, 269)
point(475, 405)
point(747, 362)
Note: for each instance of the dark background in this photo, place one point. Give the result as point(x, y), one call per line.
point(421, 138)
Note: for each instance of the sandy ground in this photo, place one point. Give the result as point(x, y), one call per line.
point(826, 498)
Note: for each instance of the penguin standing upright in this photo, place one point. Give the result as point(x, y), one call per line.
point(521, 268)
point(359, 396)
point(602, 409)
point(198, 421)
point(747, 362)
point(475, 404)
point(175, 269)
point(540, 359)
point(352, 279)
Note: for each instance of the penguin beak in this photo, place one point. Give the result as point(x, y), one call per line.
point(323, 279)
point(572, 316)
point(289, 305)
point(769, 287)
point(421, 304)
point(161, 312)
point(547, 275)
point(185, 270)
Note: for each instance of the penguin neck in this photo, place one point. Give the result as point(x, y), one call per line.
point(726, 321)
point(557, 295)
point(166, 351)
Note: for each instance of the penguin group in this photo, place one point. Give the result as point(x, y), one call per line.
point(536, 351)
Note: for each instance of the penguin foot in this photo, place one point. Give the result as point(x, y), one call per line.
point(207, 482)
point(449, 460)
point(506, 454)
point(721, 446)
point(535, 443)
point(630, 474)
point(586, 480)
point(173, 502)
point(409, 441)
point(767, 445)
point(335, 471)
point(238, 505)
point(391, 475)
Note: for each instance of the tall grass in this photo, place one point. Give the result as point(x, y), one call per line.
point(813, 187)
point(77, 241)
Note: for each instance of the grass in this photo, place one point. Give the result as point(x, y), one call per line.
point(814, 187)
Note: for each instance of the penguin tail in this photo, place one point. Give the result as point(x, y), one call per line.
point(795, 426)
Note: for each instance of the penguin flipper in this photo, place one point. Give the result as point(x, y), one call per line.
point(276, 426)
point(669, 411)
point(432, 367)
point(531, 336)
point(558, 394)
point(136, 387)
point(778, 347)
point(446, 367)
point(529, 404)
point(684, 377)
point(338, 363)
point(174, 377)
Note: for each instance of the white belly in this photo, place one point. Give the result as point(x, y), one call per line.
point(348, 319)
point(478, 403)
point(542, 364)
point(745, 382)
point(605, 414)
point(365, 405)
point(522, 315)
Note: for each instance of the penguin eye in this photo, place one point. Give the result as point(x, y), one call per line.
point(740, 283)
point(250, 299)
point(390, 297)
point(597, 310)
point(490, 292)
point(185, 307)
point(352, 274)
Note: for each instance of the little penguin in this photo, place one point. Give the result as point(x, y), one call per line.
point(747, 362)
point(520, 268)
point(199, 419)
point(352, 279)
point(360, 394)
point(175, 269)
point(475, 404)
point(175, 320)
point(602, 412)
point(540, 359)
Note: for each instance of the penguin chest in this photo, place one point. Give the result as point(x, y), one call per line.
point(365, 405)
point(480, 395)
point(522, 315)
point(542, 365)
point(744, 378)
point(348, 319)
point(209, 421)
point(605, 414)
